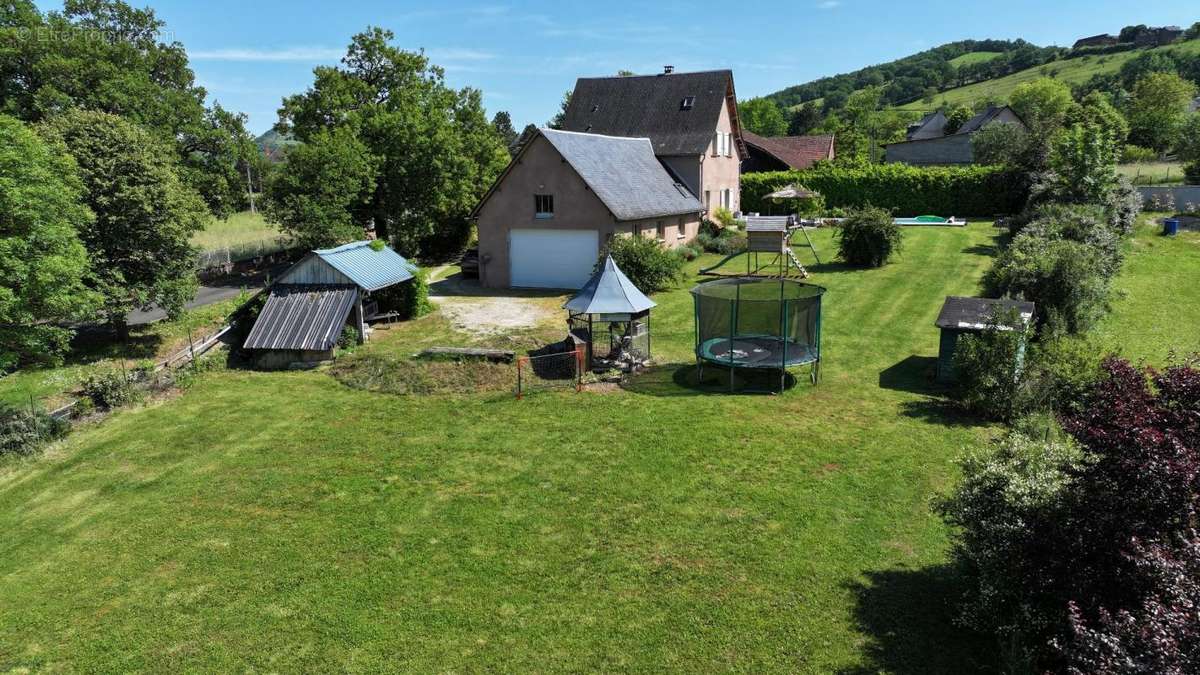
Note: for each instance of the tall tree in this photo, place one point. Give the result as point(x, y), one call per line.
point(502, 123)
point(556, 122)
point(1044, 104)
point(1158, 110)
point(43, 264)
point(762, 117)
point(106, 55)
point(145, 215)
point(313, 197)
point(435, 150)
point(803, 118)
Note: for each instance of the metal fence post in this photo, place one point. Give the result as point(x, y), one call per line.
point(578, 370)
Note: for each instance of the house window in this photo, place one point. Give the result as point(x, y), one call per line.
point(727, 198)
point(661, 230)
point(680, 229)
point(728, 145)
point(543, 206)
point(687, 103)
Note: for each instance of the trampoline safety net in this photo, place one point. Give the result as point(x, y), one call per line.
point(758, 323)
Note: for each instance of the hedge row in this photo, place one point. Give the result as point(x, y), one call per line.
point(906, 190)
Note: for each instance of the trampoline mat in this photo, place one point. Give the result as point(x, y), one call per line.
point(753, 351)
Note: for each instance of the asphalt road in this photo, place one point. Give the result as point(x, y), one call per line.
point(214, 290)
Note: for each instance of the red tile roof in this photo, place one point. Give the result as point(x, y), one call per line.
point(798, 152)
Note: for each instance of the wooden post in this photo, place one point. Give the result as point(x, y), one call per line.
point(191, 346)
point(519, 362)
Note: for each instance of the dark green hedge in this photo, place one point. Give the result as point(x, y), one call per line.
point(906, 190)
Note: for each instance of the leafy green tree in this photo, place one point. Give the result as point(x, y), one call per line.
point(325, 179)
point(1084, 160)
point(106, 55)
point(43, 265)
point(803, 118)
point(145, 216)
point(502, 123)
point(1189, 146)
point(436, 151)
point(1043, 104)
point(1001, 145)
point(1097, 110)
point(1157, 110)
point(958, 117)
point(556, 122)
point(763, 117)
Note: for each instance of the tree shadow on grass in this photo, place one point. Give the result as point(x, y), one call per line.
point(940, 411)
point(915, 374)
point(675, 379)
point(94, 343)
point(982, 249)
point(908, 618)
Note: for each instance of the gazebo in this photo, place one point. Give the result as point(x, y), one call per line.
point(610, 319)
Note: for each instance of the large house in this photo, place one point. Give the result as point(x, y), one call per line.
point(781, 153)
point(928, 143)
point(641, 155)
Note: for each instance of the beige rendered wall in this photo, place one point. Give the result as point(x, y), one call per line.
point(721, 172)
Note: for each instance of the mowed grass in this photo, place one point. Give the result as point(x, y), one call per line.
point(1156, 306)
point(1072, 71)
point(284, 521)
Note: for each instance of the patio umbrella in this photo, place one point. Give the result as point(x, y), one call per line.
point(792, 192)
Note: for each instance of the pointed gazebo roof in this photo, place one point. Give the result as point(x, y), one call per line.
point(609, 291)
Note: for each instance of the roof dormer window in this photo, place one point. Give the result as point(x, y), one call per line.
point(687, 103)
point(595, 107)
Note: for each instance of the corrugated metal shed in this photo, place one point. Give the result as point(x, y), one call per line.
point(609, 291)
point(303, 317)
point(358, 262)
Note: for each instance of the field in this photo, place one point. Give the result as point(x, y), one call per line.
point(1153, 173)
point(285, 521)
point(972, 58)
point(242, 235)
point(1072, 71)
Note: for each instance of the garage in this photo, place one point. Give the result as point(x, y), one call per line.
point(552, 258)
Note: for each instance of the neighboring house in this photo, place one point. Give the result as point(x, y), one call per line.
point(781, 153)
point(929, 144)
point(309, 305)
point(645, 155)
point(1102, 40)
point(1155, 37)
point(690, 118)
point(544, 221)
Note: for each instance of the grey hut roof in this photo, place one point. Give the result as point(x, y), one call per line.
point(609, 291)
point(370, 269)
point(624, 174)
point(974, 313)
point(652, 106)
point(302, 316)
point(979, 121)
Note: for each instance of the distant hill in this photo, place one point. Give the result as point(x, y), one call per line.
point(974, 71)
point(274, 145)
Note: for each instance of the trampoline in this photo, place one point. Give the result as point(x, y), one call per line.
point(758, 324)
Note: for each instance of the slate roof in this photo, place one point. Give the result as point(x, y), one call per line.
point(974, 313)
point(609, 291)
point(977, 122)
point(625, 174)
point(650, 106)
point(302, 316)
point(370, 269)
point(798, 152)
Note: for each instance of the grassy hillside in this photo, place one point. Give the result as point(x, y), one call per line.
point(973, 58)
point(1072, 71)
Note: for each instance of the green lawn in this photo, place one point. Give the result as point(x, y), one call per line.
point(284, 521)
point(242, 235)
point(1072, 71)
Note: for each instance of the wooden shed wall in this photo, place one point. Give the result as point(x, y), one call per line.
point(313, 270)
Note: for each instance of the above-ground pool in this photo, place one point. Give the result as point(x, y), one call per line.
point(929, 220)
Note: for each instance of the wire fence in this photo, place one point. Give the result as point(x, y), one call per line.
point(550, 368)
point(247, 250)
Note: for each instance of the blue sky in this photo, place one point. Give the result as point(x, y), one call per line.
point(523, 56)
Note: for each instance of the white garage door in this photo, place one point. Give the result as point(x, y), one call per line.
point(552, 258)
